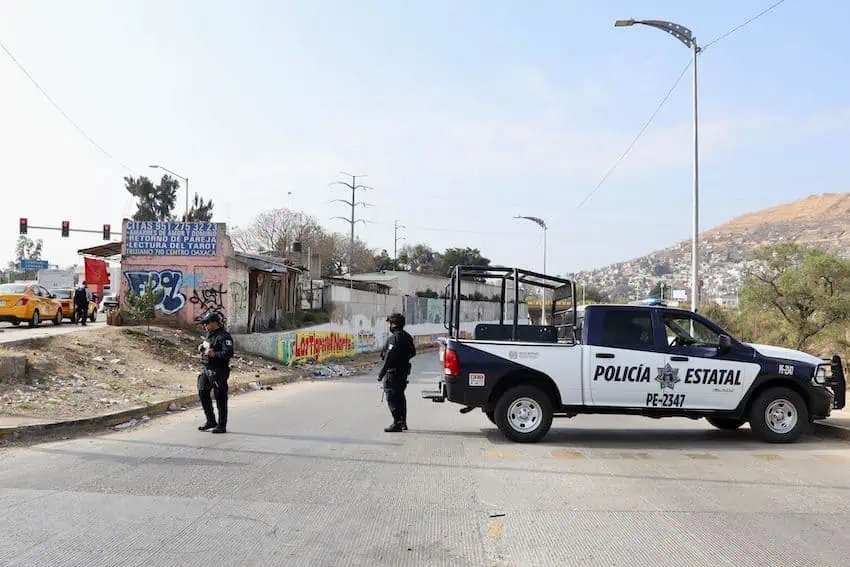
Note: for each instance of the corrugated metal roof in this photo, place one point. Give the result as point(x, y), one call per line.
point(103, 250)
point(266, 263)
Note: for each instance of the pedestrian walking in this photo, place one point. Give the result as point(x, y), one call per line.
point(81, 304)
point(217, 351)
point(397, 352)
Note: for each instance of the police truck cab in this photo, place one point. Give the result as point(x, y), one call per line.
point(652, 361)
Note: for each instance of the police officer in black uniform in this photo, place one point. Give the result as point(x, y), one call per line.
point(397, 353)
point(217, 351)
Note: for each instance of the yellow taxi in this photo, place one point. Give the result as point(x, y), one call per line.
point(65, 297)
point(28, 302)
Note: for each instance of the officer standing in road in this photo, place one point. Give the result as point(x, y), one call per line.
point(397, 353)
point(81, 304)
point(217, 351)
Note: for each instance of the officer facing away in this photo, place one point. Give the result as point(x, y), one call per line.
point(217, 351)
point(397, 353)
point(81, 304)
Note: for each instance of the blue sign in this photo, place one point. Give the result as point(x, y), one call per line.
point(171, 239)
point(27, 264)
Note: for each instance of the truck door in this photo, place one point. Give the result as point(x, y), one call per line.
point(623, 358)
point(708, 378)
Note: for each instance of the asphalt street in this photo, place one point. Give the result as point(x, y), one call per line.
point(307, 477)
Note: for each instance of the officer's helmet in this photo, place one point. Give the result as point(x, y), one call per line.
point(396, 320)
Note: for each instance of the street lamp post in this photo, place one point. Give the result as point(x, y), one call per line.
point(542, 224)
point(186, 179)
point(684, 35)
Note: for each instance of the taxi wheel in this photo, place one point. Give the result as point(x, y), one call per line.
point(58, 319)
point(36, 319)
point(16, 323)
point(93, 317)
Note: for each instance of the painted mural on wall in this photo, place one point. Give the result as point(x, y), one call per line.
point(167, 281)
point(171, 239)
point(301, 346)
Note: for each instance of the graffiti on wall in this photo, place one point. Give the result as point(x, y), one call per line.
point(238, 296)
point(167, 281)
point(209, 299)
point(301, 346)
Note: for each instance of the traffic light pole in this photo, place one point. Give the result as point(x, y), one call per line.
point(71, 230)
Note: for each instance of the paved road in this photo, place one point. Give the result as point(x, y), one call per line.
point(9, 333)
point(308, 478)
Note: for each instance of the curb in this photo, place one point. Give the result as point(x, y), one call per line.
point(36, 431)
point(831, 430)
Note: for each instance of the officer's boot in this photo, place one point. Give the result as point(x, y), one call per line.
point(396, 427)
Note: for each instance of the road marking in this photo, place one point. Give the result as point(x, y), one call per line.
point(832, 458)
point(767, 457)
point(495, 531)
point(567, 454)
point(499, 454)
point(701, 456)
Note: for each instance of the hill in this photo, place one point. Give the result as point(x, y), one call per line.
point(817, 220)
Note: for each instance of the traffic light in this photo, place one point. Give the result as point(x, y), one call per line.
point(107, 231)
point(66, 228)
point(23, 226)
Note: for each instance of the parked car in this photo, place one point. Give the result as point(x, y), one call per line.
point(28, 302)
point(66, 299)
point(110, 301)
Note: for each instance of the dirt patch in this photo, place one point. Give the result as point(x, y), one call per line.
point(118, 368)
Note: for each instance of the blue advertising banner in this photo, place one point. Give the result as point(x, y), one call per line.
point(171, 239)
point(27, 264)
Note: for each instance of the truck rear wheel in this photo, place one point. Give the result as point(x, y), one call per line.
point(726, 423)
point(779, 415)
point(524, 414)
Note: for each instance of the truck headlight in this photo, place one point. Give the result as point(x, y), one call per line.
point(820, 375)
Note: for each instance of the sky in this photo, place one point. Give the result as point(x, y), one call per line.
point(463, 115)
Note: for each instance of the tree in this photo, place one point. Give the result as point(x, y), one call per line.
point(384, 262)
point(200, 211)
point(153, 202)
point(461, 257)
point(591, 294)
point(807, 289)
point(142, 306)
point(28, 248)
point(420, 258)
point(275, 231)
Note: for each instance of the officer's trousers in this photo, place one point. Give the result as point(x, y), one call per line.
point(396, 400)
point(211, 384)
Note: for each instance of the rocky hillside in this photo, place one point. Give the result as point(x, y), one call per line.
point(818, 220)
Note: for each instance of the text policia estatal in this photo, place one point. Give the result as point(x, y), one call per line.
point(717, 376)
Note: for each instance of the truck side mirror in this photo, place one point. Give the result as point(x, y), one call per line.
point(724, 344)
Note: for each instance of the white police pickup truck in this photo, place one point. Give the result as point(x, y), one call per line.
point(623, 359)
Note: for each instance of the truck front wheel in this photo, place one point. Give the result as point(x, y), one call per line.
point(779, 415)
point(524, 414)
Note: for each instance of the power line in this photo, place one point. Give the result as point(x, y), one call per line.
point(637, 137)
point(62, 112)
point(746, 23)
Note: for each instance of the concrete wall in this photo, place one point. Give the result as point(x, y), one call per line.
point(407, 283)
point(358, 325)
point(192, 285)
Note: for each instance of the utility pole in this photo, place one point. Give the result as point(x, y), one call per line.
point(396, 238)
point(353, 203)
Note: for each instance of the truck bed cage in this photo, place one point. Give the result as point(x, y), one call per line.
point(562, 290)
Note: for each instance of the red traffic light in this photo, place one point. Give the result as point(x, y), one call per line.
point(23, 226)
point(66, 228)
point(107, 231)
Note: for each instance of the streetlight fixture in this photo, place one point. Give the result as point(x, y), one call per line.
point(684, 35)
point(186, 179)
